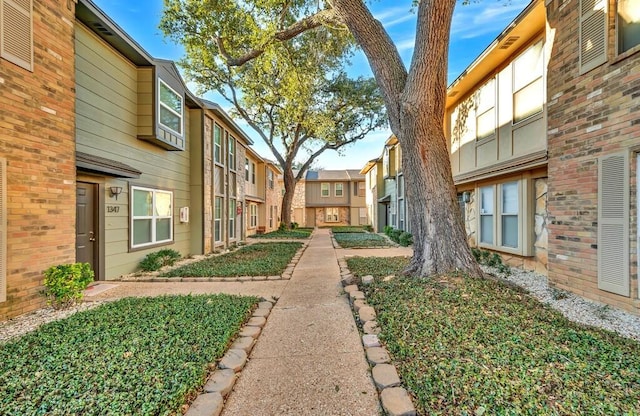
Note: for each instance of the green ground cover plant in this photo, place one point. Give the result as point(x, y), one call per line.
point(351, 240)
point(348, 229)
point(262, 259)
point(297, 233)
point(467, 346)
point(133, 356)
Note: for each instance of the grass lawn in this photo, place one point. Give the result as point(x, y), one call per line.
point(263, 259)
point(350, 240)
point(132, 356)
point(472, 346)
point(283, 234)
point(347, 229)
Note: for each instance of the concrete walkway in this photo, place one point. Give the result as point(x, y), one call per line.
point(309, 359)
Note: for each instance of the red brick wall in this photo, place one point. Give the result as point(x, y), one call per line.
point(589, 116)
point(37, 140)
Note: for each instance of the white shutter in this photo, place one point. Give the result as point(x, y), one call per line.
point(3, 230)
point(16, 33)
point(593, 34)
point(613, 223)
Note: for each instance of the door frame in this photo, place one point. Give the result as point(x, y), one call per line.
point(99, 215)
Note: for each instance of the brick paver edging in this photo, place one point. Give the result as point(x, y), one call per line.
point(155, 276)
point(394, 398)
point(220, 382)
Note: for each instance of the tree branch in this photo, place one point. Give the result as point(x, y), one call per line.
point(327, 16)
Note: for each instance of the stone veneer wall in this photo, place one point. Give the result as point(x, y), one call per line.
point(536, 263)
point(343, 213)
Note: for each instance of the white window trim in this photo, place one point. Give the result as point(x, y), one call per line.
point(220, 159)
point(537, 114)
point(253, 215)
point(232, 218)
point(218, 220)
point(166, 107)
point(322, 190)
point(335, 212)
point(231, 143)
point(525, 207)
point(335, 190)
point(152, 217)
point(253, 173)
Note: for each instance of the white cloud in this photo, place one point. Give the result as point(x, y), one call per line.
point(475, 20)
point(406, 44)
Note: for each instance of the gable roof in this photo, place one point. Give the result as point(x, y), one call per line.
point(334, 175)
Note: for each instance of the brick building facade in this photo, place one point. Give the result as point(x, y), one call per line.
point(593, 139)
point(37, 166)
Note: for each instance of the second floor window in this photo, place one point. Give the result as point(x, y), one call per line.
point(528, 88)
point(485, 110)
point(324, 189)
point(231, 146)
point(339, 190)
point(217, 144)
point(628, 24)
point(270, 178)
point(246, 169)
point(253, 173)
point(171, 108)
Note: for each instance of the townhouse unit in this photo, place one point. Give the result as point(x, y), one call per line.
point(105, 155)
point(298, 203)
point(335, 197)
point(262, 194)
point(594, 139)
point(495, 121)
point(386, 198)
point(37, 146)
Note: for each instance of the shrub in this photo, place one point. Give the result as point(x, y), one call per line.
point(294, 225)
point(387, 230)
point(405, 239)
point(490, 259)
point(64, 283)
point(368, 228)
point(156, 260)
point(395, 235)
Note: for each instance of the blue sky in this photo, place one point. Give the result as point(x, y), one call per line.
point(474, 27)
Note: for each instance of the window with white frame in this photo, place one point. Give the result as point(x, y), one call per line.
point(503, 210)
point(152, 216)
point(385, 162)
point(232, 218)
point(628, 27)
point(253, 173)
point(171, 108)
point(253, 215)
point(16, 32)
point(246, 169)
point(331, 215)
point(270, 178)
point(528, 88)
point(231, 149)
point(217, 220)
point(217, 144)
point(362, 214)
point(339, 189)
point(485, 110)
point(324, 189)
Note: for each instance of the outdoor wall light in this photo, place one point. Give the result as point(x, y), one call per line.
point(115, 191)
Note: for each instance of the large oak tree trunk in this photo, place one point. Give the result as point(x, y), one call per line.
point(415, 104)
point(287, 198)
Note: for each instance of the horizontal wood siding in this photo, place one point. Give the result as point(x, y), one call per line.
point(107, 126)
point(313, 196)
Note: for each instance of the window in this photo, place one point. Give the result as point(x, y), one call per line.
point(528, 89)
point(253, 215)
point(217, 144)
point(270, 178)
point(231, 148)
point(361, 189)
point(232, 218)
point(217, 222)
point(170, 108)
point(324, 189)
point(628, 24)
point(246, 169)
point(486, 215)
point(485, 110)
point(16, 34)
point(503, 217)
point(271, 216)
point(339, 189)
point(152, 217)
point(385, 162)
point(362, 213)
point(253, 173)
point(232, 184)
point(331, 215)
point(401, 214)
point(401, 187)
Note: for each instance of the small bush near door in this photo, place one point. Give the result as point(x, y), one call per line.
point(64, 283)
point(157, 260)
